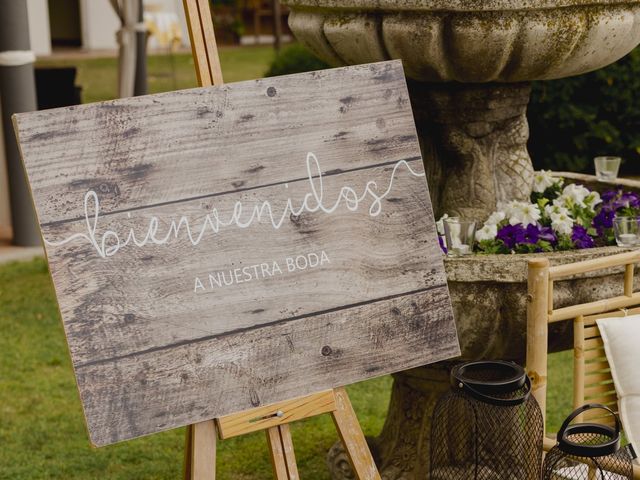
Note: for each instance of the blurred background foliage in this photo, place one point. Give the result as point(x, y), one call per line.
point(571, 120)
point(574, 119)
point(294, 59)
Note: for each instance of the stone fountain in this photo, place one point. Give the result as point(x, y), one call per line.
point(470, 64)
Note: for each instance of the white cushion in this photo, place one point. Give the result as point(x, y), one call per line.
point(621, 336)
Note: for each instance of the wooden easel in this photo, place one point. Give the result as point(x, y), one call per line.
point(200, 448)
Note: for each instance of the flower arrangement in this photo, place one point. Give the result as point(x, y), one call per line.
point(558, 217)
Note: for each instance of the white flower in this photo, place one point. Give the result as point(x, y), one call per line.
point(562, 223)
point(573, 195)
point(561, 220)
point(592, 200)
point(522, 212)
point(495, 218)
point(512, 207)
point(440, 224)
point(542, 180)
point(488, 232)
point(554, 210)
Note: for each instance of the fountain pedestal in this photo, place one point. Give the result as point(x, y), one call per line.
point(474, 141)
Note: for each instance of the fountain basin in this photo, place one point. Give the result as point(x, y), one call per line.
point(471, 41)
point(489, 297)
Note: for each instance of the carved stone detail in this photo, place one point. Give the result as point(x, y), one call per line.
point(478, 136)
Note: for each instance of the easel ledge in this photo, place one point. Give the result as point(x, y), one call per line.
point(201, 438)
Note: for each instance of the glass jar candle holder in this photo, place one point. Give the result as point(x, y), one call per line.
point(460, 235)
point(627, 231)
point(607, 168)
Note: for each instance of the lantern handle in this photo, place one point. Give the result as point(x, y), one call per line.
point(581, 410)
point(501, 402)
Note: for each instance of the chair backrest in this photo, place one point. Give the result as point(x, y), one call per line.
point(592, 376)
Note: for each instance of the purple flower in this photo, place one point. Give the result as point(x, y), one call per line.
point(626, 200)
point(531, 234)
point(616, 199)
point(442, 246)
point(609, 196)
point(547, 234)
point(511, 235)
point(603, 220)
point(580, 237)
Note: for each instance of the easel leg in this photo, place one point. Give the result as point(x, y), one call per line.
point(352, 438)
point(282, 454)
point(200, 451)
point(188, 452)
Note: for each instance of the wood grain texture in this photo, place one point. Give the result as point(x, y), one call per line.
point(283, 459)
point(214, 377)
point(203, 42)
point(151, 349)
point(389, 258)
point(208, 141)
point(268, 416)
point(200, 452)
point(288, 450)
point(353, 439)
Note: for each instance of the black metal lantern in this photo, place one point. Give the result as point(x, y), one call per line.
point(488, 427)
point(588, 451)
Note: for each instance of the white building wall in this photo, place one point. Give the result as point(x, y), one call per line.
point(99, 24)
point(171, 6)
point(39, 34)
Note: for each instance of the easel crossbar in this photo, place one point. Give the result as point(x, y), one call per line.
point(262, 418)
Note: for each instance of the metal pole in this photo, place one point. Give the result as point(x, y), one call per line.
point(140, 87)
point(277, 25)
point(17, 94)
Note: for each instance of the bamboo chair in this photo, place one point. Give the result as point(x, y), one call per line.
point(592, 376)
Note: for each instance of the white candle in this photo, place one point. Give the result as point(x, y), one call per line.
point(628, 238)
point(463, 250)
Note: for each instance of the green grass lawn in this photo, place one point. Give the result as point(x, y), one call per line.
point(98, 77)
point(42, 433)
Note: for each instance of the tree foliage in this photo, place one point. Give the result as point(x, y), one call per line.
point(575, 119)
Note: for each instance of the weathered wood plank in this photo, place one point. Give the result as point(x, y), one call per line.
point(388, 258)
point(232, 137)
point(219, 182)
point(211, 378)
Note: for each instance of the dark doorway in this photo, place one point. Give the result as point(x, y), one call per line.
point(64, 22)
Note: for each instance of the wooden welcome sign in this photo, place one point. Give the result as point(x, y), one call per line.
point(222, 248)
